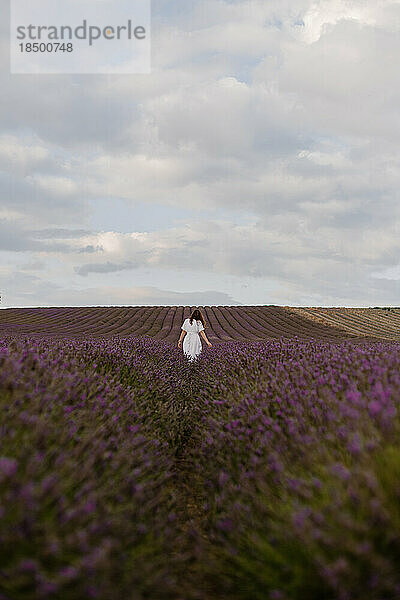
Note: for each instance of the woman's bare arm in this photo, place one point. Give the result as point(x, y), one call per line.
point(183, 333)
point(203, 335)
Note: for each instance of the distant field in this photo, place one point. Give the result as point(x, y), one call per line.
point(224, 323)
point(383, 323)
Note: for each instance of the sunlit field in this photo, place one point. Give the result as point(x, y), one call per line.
point(267, 469)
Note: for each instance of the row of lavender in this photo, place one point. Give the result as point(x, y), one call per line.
point(88, 494)
point(264, 470)
point(297, 471)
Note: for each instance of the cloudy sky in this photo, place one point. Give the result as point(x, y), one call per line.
point(257, 164)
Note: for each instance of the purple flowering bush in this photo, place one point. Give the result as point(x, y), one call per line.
point(87, 508)
point(263, 470)
point(298, 471)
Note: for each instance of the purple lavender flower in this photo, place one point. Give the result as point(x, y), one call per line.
point(8, 466)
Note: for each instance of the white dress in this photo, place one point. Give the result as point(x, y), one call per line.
point(192, 342)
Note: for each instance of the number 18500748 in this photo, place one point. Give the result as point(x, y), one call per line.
point(46, 47)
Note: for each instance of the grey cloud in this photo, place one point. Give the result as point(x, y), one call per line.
point(37, 206)
point(58, 233)
point(15, 238)
point(90, 249)
point(260, 250)
point(25, 290)
point(107, 267)
point(37, 265)
point(85, 115)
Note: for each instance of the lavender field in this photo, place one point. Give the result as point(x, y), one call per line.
point(268, 469)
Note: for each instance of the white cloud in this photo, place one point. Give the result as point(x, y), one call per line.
point(323, 14)
point(284, 112)
point(57, 186)
point(15, 153)
point(335, 159)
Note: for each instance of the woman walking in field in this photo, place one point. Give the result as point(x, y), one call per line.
point(192, 328)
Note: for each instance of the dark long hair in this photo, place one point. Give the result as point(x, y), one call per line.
point(196, 314)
